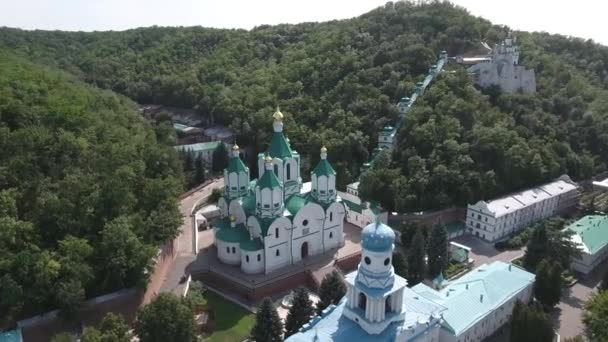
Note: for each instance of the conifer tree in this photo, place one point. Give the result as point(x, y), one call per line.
point(219, 159)
point(438, 250)
point(529, 323)
point(331, 291)
point(536, 249)
point(415, 260)
point(300, 312)
point(268, 326)
point(400, 264)
point(543, 286)
point(199, 170)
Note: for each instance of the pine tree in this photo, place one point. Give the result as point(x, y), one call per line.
point(415, 260)
point(300, 312)
point(268, 326)
point(537, 248)
point(331, 291)
point(542, 284)
point(219, 159)
point(188, 161)
point(529, 323)
point(438, 250)
point(199, 170)
point(400, 264)
point(604, 284)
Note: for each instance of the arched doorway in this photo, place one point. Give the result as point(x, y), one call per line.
point(362, 301)
point(387, 305)
point(304, 250)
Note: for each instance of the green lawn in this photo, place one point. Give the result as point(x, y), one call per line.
point(233, 323)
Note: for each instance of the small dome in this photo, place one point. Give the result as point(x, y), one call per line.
point(268, 159)
point(235, 147)
point(323, 149)
point(232, 218)
point(377, 237)
point(278, 116)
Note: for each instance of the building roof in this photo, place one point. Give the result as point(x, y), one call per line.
point(198, 147)
point(477, 293)
point(295, 203)
point(279, 148)
point(602, 184)
point(227, 233)
point(252, 245)
point(235, 164)
point(353, 206)
point(268, 180)
point(590, 233)
point(324, 168)
point(11, 336)
point(377, 237)
point(332, 326)
point(248, 204)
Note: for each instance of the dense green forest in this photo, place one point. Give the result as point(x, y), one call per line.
point(87, 187)
point(88, 190)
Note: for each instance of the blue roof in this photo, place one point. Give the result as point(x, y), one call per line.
point(377, 237)
point(477, 293)
point(333, 326)
point(11, 336)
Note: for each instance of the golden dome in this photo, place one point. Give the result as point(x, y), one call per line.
point(235, 147)
point(278, 116)
point(268, 159)
point(232, 218)
point(323, 149)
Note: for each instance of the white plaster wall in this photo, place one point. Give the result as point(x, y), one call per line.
point(588, 262)
point(237, 211)
point(254, 227)
point(377, 260)
point(272, 244)
point(224, 252)
point(313, 215)
point(252, 266)
point(223, 206)
point(356, 218)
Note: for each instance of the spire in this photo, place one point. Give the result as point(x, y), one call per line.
point(278, 121)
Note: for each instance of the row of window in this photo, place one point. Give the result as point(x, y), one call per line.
point(259, 257)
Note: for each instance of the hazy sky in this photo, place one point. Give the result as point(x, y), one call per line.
point(582, 18)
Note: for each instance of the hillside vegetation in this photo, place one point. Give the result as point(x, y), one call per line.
point(87, 192)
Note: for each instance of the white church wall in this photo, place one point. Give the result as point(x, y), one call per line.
point(237, 211)
point(228, 253)
point(252, 262)
point(223, 206)
point(333, 232)
point(254, 227)
point(276, 246)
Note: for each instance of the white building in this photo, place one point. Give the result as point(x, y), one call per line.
point(204, 149)
point(378, 306)
point(590, 233)
point(501, 68)
point(501, 217)
point(271, 222)
point(358, 212)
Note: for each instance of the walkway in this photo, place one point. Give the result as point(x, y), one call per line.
point(185, 256)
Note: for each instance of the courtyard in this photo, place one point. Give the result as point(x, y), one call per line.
point(484, 252)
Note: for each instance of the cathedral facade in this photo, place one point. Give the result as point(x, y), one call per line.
point(276, 220)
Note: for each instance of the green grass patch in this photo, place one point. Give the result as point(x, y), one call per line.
point(232, 322)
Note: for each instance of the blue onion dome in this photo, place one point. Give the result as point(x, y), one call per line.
point(377, 237)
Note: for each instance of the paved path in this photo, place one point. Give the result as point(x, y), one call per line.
point(484, 252)
point(185, 256)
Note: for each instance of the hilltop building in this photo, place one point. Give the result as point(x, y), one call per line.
point(274, 221)
point(358, 212)
point(590, 233)
point(501, 67)
point(504, 216)
point(204, 149)
point(378, 305)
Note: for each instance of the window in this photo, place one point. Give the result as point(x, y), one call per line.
point(247, 258)
point(331, 235)
point(276, 170)
point(305, 223)
point(277, 253)
point(228, 250)
point(287, 171)
point(276, 205)
point(478, 217)
point(367, 260)
point(387, 261)
point(259, 257)
point(266, 206)
point(233, 250)
point(276, 233)
point(234, 188)
point(331, 216)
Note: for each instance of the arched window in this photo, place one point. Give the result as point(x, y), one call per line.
point(277, 253)
point(247, 258)
point(331, 235)
point(387, 305)
point(276, 170)
point(287, 171)
point(362, 301)
point(276, 232)
point(228, 250)
point(259, 257)
point(331, 216)
point(233, 250)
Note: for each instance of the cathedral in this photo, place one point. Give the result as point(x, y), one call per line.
point(276, 220)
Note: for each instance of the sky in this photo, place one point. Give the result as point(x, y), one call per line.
point(581, 18)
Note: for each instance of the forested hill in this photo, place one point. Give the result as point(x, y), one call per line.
point(88, 191)
point(337, 82)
